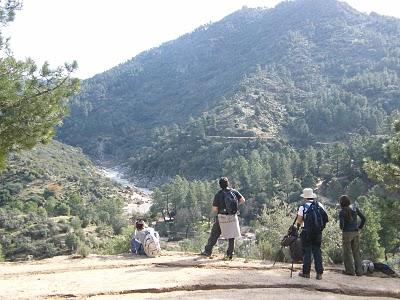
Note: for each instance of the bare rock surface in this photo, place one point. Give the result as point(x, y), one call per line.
point(178, 275)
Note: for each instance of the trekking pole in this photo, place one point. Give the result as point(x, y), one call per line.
point(291, 270)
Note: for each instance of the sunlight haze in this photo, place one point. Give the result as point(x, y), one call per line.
point(102, 34)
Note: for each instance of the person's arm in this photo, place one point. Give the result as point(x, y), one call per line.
point(240, 197)
point(214, 208)
point(341, 219)
point(300, 218)
point(299, 221)
point(362, 217)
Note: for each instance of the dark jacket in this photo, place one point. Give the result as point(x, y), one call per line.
point(351, 225)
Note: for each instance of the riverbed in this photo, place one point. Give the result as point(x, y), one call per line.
point(137, 199)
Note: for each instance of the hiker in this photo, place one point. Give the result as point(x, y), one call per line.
point(312, 217)
point(145, 240)
point(225, 204)
point(351, 236)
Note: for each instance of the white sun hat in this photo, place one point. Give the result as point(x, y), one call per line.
point(308, 193)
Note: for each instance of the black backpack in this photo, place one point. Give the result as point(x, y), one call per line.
point(231, 202)
point(315, 218)
point(292, 240)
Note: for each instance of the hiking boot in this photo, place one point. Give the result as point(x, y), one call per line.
point(319, 276)
point(301, 274)
point(204, 253)
point(228, 257)
point(348, 273)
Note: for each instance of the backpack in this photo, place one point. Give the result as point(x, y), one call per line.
point(385, 269)
point(151, 244)
point(293, 241)
point(231, 202)
point(315, 218)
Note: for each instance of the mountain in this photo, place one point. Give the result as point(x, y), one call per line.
point(304, 72)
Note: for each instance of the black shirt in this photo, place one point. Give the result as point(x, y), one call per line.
point(219, 199)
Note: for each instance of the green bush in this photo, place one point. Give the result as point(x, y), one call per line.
point(47, 193)
point(83, 250)
point(118, 224)
point(71, 241)
point(50, 205)
point(1, 253)
point(194, 245)
point(62, 209)
point(266, 251)
point(76, 223)
point(14, 187)
point(332, 239)
point(272, 225)
point(117, 244)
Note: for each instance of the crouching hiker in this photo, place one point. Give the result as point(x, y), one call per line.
point(313, 217)
point(351, 236)
point(145, 240)
point(226, 205)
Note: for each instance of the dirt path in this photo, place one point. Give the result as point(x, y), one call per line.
point(178, 275)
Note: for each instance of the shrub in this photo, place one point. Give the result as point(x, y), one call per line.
point(194, 245)
point(47, 193)
point(1, 253)
point(83, 250)
point(76, 223)
point(332, 239)
point(71, 241)
point(118, 224)
point(61, 209)
point(14, 187)
point(118, 244)
point(266, 249)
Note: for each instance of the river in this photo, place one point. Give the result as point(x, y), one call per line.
point(137, 199)
point(118, 176)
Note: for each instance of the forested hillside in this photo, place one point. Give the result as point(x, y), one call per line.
point(306, 71)
point(53, 201)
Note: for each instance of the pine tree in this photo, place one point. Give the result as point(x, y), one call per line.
point(32, 101)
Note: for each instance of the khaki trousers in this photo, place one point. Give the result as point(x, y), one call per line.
point(351, 252)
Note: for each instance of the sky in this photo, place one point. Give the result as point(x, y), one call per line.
point(100, 34)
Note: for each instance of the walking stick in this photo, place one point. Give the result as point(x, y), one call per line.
point(291, 270)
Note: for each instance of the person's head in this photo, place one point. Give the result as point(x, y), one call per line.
point(344, 201)
point(223, 182)
point(308, 194)
point(139, 224)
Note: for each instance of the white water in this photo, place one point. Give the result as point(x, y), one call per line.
point(118, 176)
point(139, 199)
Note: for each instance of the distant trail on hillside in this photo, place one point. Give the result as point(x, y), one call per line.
point(240, 137)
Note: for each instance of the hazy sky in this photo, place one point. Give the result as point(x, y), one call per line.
point(100, 34)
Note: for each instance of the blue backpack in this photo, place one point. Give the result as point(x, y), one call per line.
point(315, 218)
point(231, 202)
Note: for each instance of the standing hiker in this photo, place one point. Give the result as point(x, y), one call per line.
point(351, 236)
point(225, 204)
point(313, 217)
